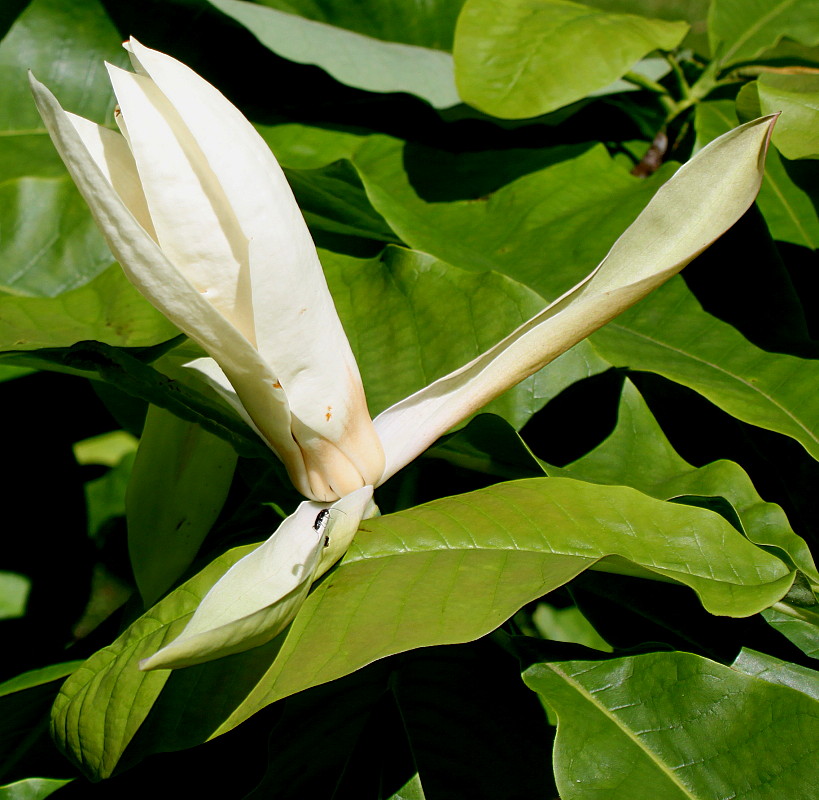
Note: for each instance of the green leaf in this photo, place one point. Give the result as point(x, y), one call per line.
point(638, 454)
point(38, 677)
point(774, 670)
point(669, 333)
point(535, 229)
point(177, 487)
point(788, 210)
point(415, 338)
point(524, 58)
point(694, 12)
point(643, 719)
point(798, 625)
point(351, 58)
point(797, 97)
point(740, 30)
point(108, 309)
point(480, 557)
point(32, 788)
point(14, 592)
point(50, 243)
point(428, 23)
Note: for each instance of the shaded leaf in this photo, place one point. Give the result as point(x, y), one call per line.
point(50, 244)
point(351, 58)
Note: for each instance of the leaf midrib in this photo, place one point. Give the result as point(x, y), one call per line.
point(583, 692)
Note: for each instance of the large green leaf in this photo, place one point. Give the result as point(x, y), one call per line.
point(740, 30)
point(524, 58)
point(428, 23)
point(449, 571)
point(107, 309)
point(411, 319)
point(797, 97)
point(775, 670)
point(535, 229)
point(638, 454)
point(351, 58)
point(671, 335)
point(50, 243)
point(675, 725)
point(788, 211)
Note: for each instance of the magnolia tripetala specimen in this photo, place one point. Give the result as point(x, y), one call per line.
point(196, 209)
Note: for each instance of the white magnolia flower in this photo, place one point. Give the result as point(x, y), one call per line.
point(196, 209)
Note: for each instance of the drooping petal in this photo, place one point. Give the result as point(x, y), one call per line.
point(696, 206)
point(297, 329)
point(259, 595)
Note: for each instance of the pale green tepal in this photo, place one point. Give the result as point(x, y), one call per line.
point(199, 215)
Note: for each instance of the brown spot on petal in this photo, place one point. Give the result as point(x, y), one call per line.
point(302, 310)
point(277, 385)
point(329, 413)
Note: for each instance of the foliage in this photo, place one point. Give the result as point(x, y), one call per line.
point(601, 586)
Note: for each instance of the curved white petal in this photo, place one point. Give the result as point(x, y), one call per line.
point(167, 289)
point(696, 206)
point(297, 329)
point(260, 594)
point(195, 225)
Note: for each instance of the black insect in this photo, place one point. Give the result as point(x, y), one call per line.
point(321, 523)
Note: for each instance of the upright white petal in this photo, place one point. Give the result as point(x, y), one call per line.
point(166, 288)
point(195, 225)
point(297, 328)
point(696, 206)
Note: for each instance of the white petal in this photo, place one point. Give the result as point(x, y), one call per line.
point(254, 600)
point(113, 156)
point(297, 328)
point(259, 595)
point(195, 224)
point(703, 199)
point(168, 290)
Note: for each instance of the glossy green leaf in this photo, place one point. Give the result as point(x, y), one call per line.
point(799, 625)
point(105, 496)
point(32, 788)
point(524, 58)
point(797, 97)
point(535, 229)
point(671, 335)
point(428, 23)
point(351, 58)
point(108, 309)
point(480, 557)
point(635, 727)
point(740, 30)
point(775, 670)
point(411, 790)
point(414, 338)
point(50, 243)
point(788, 210)
point(638, 454)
